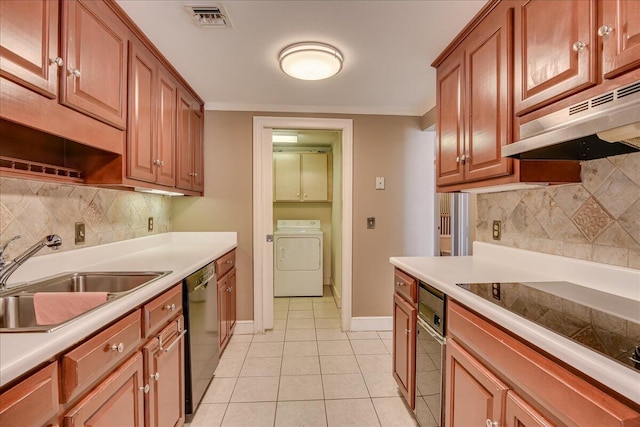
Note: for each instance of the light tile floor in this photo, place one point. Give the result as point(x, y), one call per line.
point(305, 372)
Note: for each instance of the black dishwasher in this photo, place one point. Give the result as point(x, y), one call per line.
point(202, 348)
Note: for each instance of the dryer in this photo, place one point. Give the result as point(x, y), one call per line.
point(297, 258)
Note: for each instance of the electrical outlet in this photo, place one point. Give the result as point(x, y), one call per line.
point(150, 224)
point(80, 234)
point(497, 225)
point(371, 223)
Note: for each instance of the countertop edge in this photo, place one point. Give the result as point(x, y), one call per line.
point(19, 352)
point(608, 372)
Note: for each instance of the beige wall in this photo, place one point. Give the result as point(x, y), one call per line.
point(598, 220)
point(379, 143)
point(321, 211)
point(34, 209)
point(227, 202)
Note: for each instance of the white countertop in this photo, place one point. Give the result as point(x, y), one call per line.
point(181, 253)
point(492, 263)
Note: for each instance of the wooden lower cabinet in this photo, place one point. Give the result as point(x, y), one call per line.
point(116, 401)
point(473, 395)
point(164, 372)
point(33, 401)
point(114, 378)
point(226, 307)
point(404, 347)
point(495, 379)
point(519, 413)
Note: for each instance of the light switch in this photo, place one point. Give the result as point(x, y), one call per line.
point(379, 182)
point(371, 223)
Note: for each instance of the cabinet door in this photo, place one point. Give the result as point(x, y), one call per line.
point(95, 47)
point(167, 116)
point(197, 154)
point(314, 182)
point(450, 121)
point(404, 348)
point(184, 152)
point(519, 413)
point(473, 395)
point(621, 41)
point(488, 98)
point(141, 135)
point(33, 401)
point(116, 401)
point(29, 44)
point(223, 311)
point(286, 180)
point(549, 62)
point(232, 301)
point(164, 371)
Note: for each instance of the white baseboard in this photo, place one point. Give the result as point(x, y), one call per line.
point(379, 323)
point(244, 327)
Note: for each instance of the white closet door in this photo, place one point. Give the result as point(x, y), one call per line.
point(298, 254)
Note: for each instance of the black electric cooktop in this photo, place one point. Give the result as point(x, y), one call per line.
point(605, 323)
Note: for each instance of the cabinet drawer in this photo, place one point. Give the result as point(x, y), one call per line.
point(162, 309)
point(33, 401)
point(405, 285)
point(82, 366)
point(225, 263)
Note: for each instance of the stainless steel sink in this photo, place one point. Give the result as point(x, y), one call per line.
point(17, 313)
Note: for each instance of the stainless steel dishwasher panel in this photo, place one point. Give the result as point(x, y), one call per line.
point(202, 348)
point(430, 347)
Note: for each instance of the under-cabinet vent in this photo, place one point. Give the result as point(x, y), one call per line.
point(574, 109)
point(209, 16)
point(628, 90)
point(602, 99)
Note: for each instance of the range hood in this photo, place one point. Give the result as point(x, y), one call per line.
point(606, 125)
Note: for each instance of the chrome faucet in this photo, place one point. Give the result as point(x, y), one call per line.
point(8, 268)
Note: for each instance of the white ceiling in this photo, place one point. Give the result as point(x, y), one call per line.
point(388, 48)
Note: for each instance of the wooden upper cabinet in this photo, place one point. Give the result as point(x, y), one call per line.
point(153, 118)
point(620, 31)
point(314, 176)
point(286, 182)
point(474, 87)
point(141, 132)
point(555, 51)
point(95, 55)
point(473, 395)
point(197, 161)
point(190, 148)
point(450, 120)
point(167, 120)
point(488, 100)
point(301, 177)
point(29, 44)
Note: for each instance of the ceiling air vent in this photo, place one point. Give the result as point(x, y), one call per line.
point(209, 16)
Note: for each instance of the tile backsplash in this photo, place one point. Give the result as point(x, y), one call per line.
point(34, 209)
point(597, 220)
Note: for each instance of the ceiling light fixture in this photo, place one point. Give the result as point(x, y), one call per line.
point(310, 60)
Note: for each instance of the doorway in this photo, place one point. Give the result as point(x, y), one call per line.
point(263, 224)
